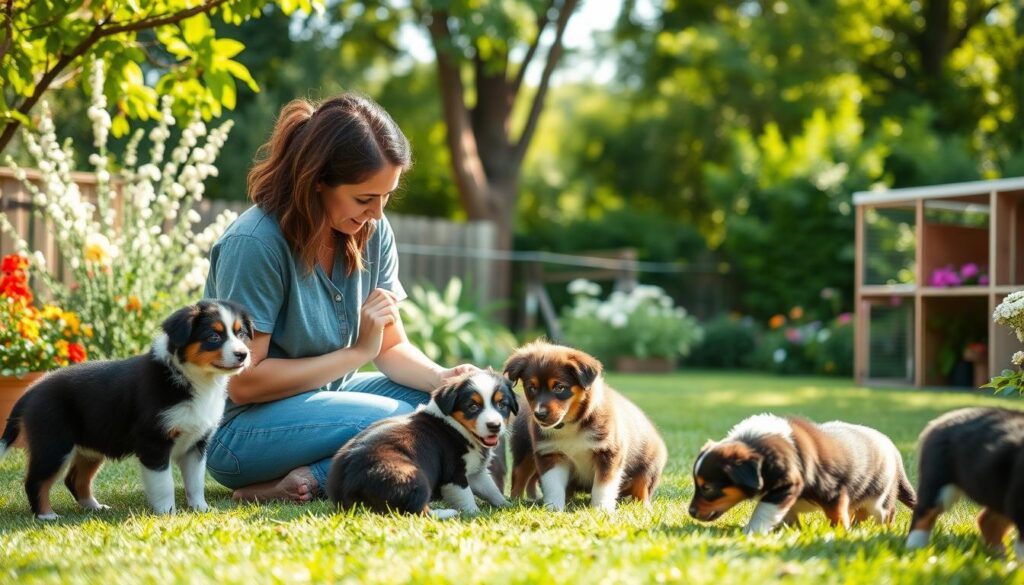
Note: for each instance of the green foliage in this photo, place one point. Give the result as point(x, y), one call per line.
point(643, 323)
point(47, 41)
point(448, 332)
point(790, 224)
point(729, 342)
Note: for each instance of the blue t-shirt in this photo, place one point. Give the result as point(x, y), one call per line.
point(306, 314)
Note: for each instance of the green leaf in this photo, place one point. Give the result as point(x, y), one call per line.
point(196, 28)
point(119, 125)
point(241, 73)
point(227, 48)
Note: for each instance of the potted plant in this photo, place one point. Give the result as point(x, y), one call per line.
point(639, 330)
point(33, 340)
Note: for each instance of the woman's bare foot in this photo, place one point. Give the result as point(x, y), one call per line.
point(298, 486)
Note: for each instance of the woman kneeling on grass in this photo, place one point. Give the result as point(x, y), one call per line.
point(314, 262)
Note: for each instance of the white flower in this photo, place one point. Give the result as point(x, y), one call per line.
point(619, 320)
point(779, 355)
point(1018, 358)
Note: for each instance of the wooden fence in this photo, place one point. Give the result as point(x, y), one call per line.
point(464, 241)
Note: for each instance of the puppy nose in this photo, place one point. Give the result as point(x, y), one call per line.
point(493, 427)
point(693, 510)
point(241, 355)
point(540, 412)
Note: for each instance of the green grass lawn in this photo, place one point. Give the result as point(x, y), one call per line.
point(295, 543)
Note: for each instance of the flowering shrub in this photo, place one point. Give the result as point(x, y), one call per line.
point(32, 339)
point(966, 275)
point(131, 260)
point(1010, 312)
point(795, 346)
point(642, 323)
point(448, 333)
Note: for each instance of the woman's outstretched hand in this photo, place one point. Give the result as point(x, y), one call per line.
point(378, 311)
point(458, 370)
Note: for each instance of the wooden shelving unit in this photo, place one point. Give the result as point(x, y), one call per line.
point(903, 236)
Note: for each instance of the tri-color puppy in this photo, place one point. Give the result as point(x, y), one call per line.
point(161, 406)
point(793, 466)
point(978, 452)
point(402, 463)
point(578, 433)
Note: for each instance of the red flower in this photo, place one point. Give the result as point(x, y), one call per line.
point(76, 353)
point(14, 285)
point(13, 262)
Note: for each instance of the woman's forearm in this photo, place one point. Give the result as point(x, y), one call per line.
point(276, 378)
point(406, 364)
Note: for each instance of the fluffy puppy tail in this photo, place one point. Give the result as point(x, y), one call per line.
point(13, 428)
point(905, 493)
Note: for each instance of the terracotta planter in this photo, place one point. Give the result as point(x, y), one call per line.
point(635, 365)
point(11, 389)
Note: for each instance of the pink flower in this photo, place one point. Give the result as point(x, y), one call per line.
point(983, 279)
point(844, 318)
point(943, 277)
point(793, 335)
point(969, 270)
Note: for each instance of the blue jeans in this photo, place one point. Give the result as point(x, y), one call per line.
point(268, 440)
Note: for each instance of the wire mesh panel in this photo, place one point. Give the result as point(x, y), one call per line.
point(889, 245)
point(891, 341)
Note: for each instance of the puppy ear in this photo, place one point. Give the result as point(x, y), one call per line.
point(178, 326)
point(513, 399)
point(247, 324)
point(445, 397)
point(746, 473)
point(586, 367)
point(516, 366)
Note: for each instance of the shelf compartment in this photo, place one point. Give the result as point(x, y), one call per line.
point(1009, 239)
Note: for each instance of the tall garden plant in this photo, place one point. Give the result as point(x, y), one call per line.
point(132, 253)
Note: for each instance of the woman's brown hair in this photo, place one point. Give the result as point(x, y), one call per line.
point(342, 141)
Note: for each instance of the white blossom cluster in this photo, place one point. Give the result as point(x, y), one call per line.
point(621, 306)
point(1011, 312)
point(138, 234)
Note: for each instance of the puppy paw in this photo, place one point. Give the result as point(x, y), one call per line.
point(49, 516)
point(554, 507)
point(444, 513)
point(502, 503)
point(92, 505)
point(200, 506)
point(164, 509)
point(917, 539)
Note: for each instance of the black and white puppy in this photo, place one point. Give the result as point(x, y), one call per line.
point(402, 463)
point(161, 406)
point(978, 452)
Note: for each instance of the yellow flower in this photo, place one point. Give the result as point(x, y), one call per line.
point(61, 346)
point(72, 323)
point(98, 249)
point(87, 329)
point(52, 313)
point(134, 304)
point(29, 329)
point(796, 313)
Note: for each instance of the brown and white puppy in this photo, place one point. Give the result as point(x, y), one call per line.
point(161, 406)
point(978, 452)
point(793, 466)
point(578, 433)
point(402, 463)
